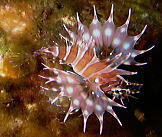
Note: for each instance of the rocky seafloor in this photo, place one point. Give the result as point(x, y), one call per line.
point(28, 25)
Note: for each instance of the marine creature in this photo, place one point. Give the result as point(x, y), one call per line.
point(93, 79)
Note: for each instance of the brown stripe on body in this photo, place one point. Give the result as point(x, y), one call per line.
point(108, 75)
point(72, 55)
point(62, 51)
point(89, 54)
point(94, 68)
point(104, 77)
point(100, 67)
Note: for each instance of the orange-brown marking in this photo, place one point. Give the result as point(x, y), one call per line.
point(62, 51)
point(94, 68)
point(104, 76)
point(89, 54)
point(72, 55)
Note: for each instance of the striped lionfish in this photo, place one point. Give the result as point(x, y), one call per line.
point(93, 79)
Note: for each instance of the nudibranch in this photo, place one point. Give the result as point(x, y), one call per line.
point(93, 79)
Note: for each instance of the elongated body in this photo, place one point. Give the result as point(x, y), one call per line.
point(93, 78)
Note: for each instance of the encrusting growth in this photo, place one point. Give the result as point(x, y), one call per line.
point(94, 79)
